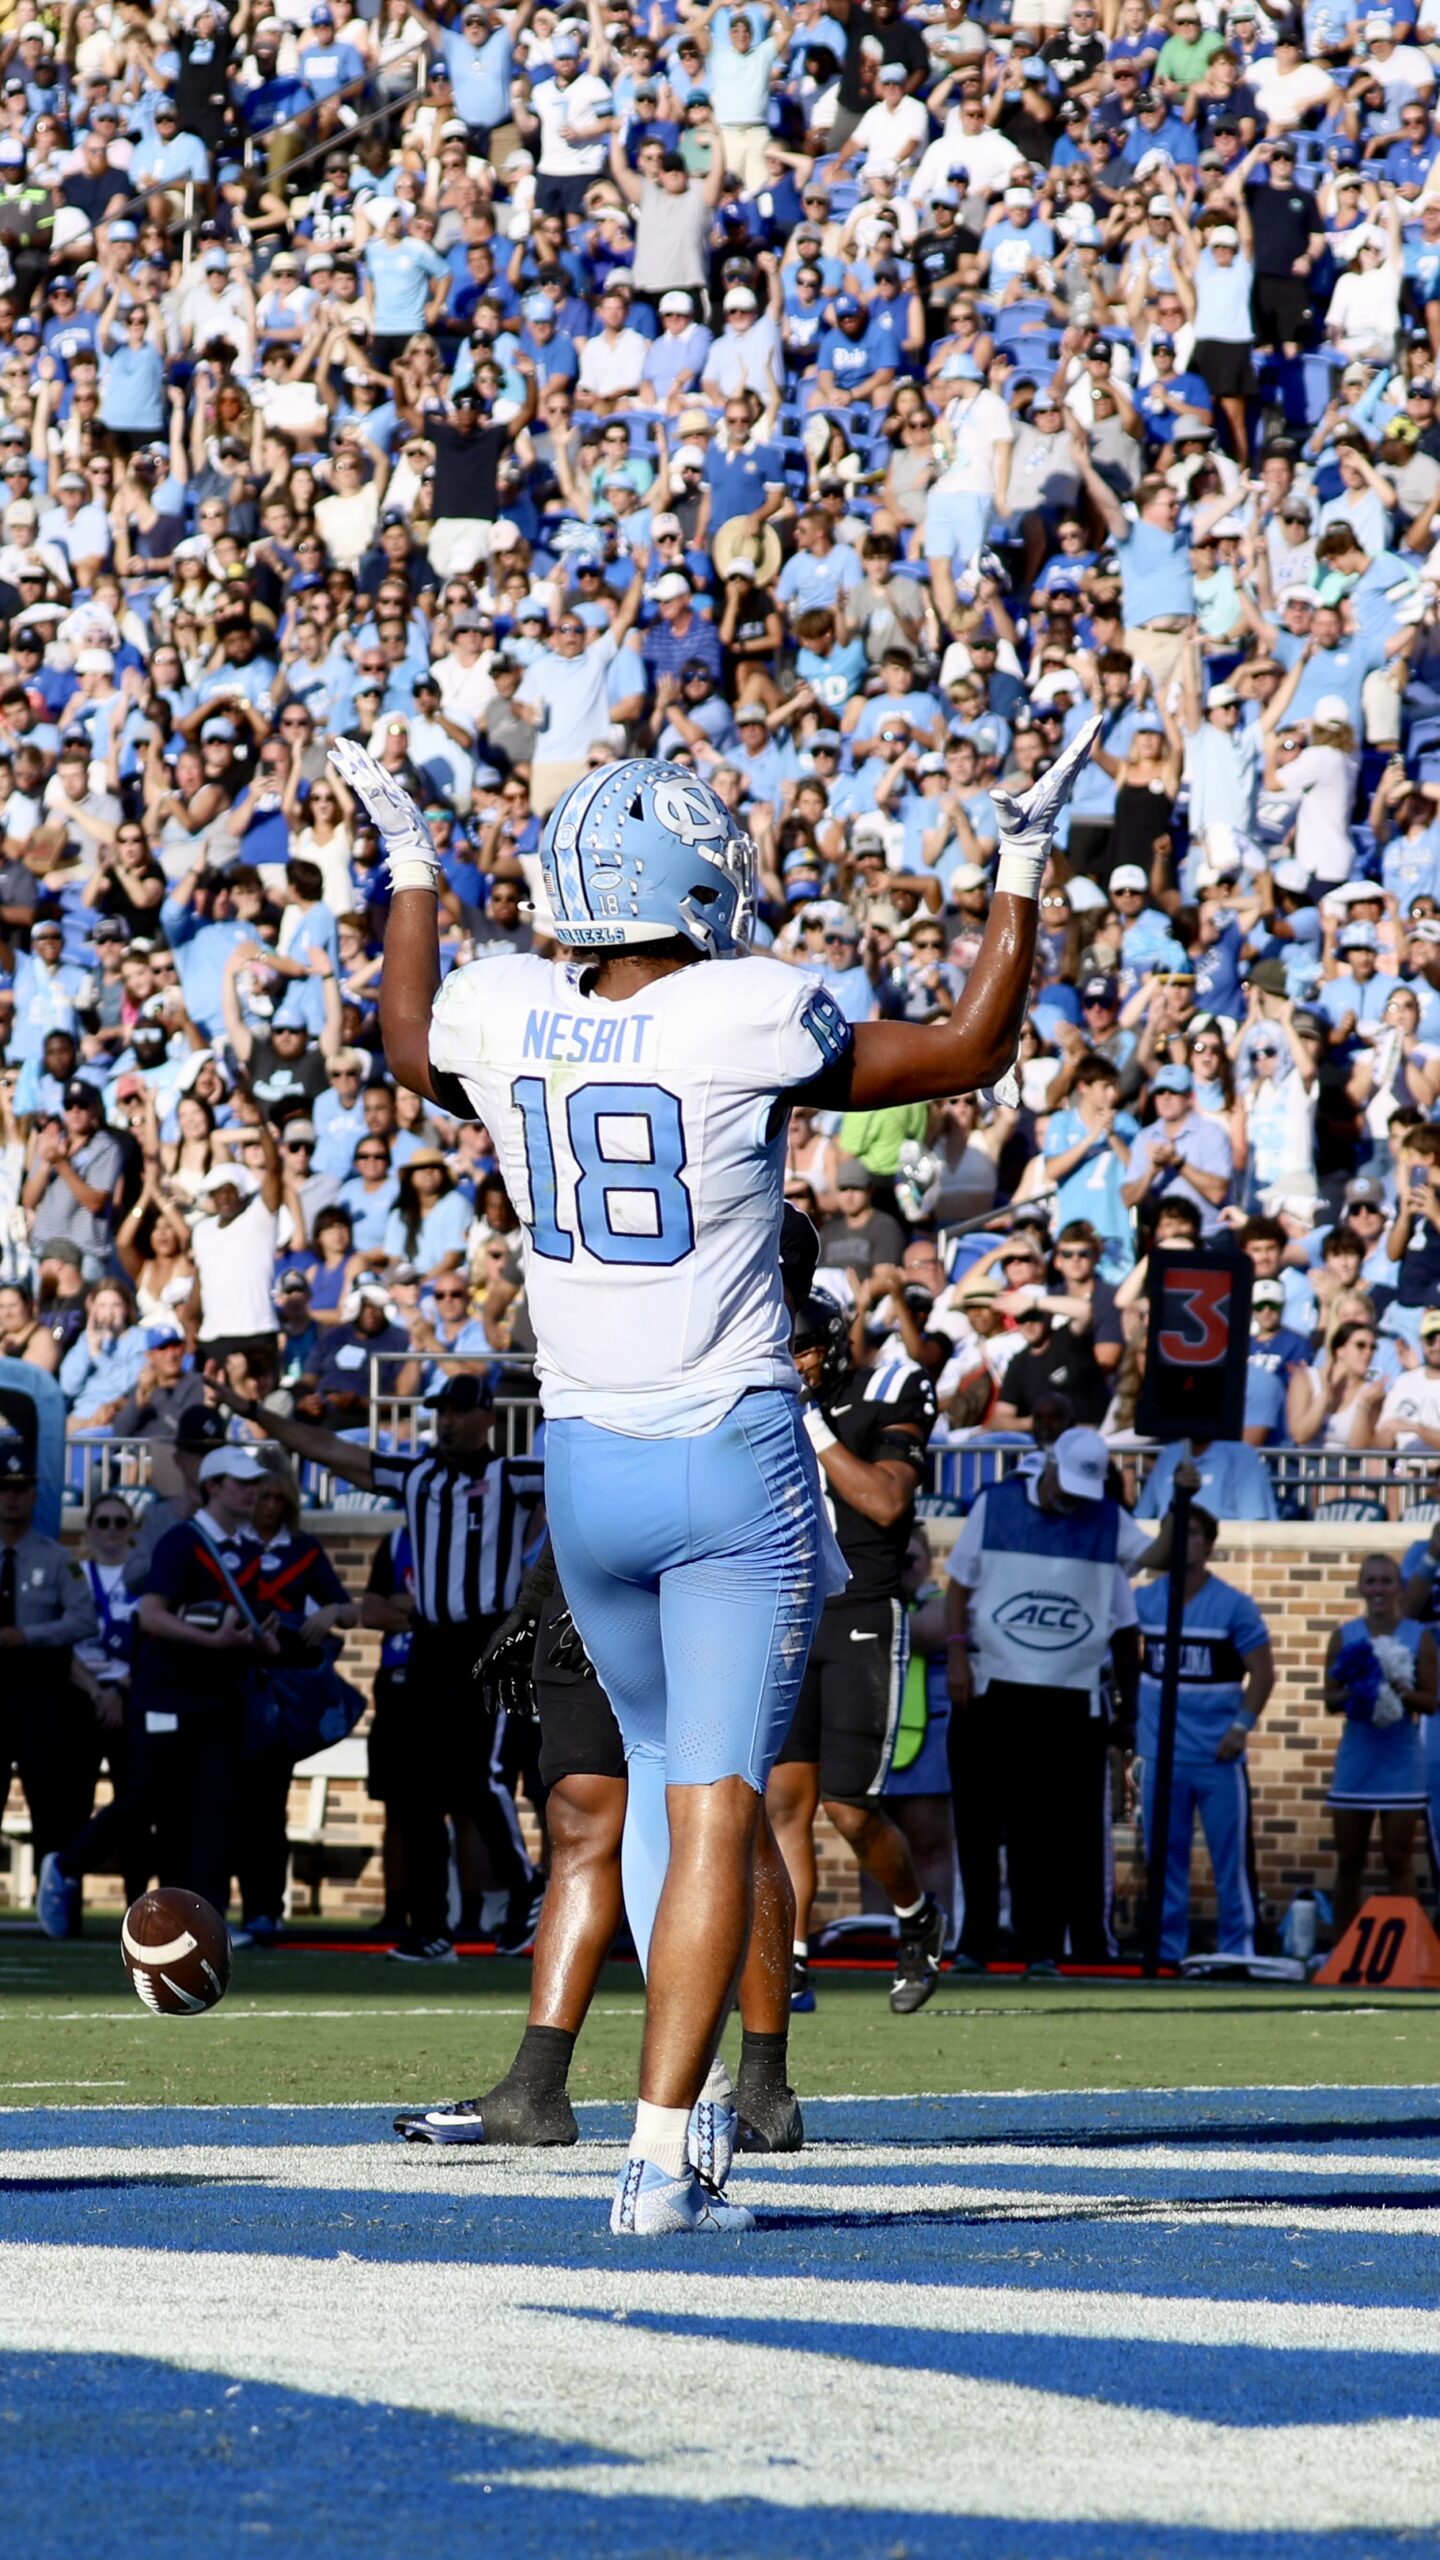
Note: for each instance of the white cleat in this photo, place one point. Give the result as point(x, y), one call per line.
point(649, 2204)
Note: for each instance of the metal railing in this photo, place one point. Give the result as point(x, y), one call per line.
point(1333, 1484)
point(339, 137)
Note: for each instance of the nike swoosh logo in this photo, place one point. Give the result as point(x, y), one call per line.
point(840, 1408)
point(862, 1635)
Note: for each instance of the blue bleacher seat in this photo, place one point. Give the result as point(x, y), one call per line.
point(1019, 320)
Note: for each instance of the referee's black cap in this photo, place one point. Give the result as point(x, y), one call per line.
point(463, 1394)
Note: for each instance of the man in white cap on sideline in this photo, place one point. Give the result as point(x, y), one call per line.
point(1038, 1603)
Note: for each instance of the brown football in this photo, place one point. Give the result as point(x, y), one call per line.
point(177, 1952)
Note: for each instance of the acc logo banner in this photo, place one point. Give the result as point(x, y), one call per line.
point(1045, 1621)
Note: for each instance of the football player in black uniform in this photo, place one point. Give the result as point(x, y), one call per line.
point(870, 1429)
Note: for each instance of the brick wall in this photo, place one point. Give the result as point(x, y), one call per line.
point(1301, 1576)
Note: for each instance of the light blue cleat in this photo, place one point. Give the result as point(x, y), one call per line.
point(57, 1899)
point(649, 2204)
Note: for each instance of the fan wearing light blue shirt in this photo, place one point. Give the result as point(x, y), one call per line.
point(1360, 993)
point(1234, 1481)
point(1180, 1154)
point(328, 64)
point(1087, 1158)
point(1009, 247)
point(820, 570)
point(432, 1219)
point(401, 273)
point(739, 74)
point(479, 56)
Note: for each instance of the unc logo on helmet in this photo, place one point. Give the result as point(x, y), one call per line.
point(690, 811)
point(641, 852)
point(1045, 1621)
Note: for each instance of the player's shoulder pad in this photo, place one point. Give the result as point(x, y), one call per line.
point(912, 1406)
point(752, 987)
point(474, 1001)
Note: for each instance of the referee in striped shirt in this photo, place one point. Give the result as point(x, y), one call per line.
point(467, 1512)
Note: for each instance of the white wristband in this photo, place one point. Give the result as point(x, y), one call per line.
point(1018, 874)
point(410, 869)
point(820, 1435)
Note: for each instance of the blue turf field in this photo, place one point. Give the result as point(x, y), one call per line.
point(1178, 2324)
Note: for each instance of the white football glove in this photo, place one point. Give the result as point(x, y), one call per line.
point(1027, 825)
point(410, 856)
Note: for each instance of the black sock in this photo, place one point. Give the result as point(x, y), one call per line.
point(915, 1923)
point(542, 2063)
point(763, 2061)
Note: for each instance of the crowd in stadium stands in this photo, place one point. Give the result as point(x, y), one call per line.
point(841, 400)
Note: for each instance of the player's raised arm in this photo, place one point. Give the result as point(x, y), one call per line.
point(410, 979)
point(913, 1062)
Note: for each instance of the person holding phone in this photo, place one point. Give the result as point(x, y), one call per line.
point(1414, 1238)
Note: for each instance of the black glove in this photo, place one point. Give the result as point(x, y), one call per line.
point(506, 1668)
point(565, 1652)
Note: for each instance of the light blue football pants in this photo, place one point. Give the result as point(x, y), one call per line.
point(696, 1569)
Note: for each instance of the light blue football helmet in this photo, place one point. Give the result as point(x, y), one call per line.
point(640, 851)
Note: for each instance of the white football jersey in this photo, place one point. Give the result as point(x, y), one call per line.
point(642, 1147)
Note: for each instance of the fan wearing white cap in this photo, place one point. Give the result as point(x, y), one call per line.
point(676, 359)
point(745, 358)
point(77, 528)
point(1354, 1000)
point(565, 692)
point(1038, 1598)
point(1220, 262)
point(335, 1390)
point(1224, 760)
point(234, 1249)
point(1317, 775)
point(975, 441)
point(893, 132)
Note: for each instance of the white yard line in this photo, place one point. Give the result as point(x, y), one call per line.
point(646, 2404)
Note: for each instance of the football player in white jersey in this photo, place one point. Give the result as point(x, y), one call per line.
point(638, 1101)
